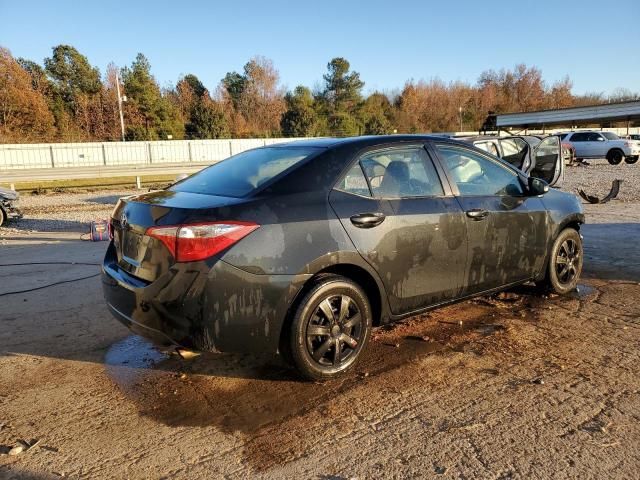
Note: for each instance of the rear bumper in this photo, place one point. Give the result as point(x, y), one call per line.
point(209, 306)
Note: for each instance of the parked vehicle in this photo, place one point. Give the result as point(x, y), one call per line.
point(9, 205)
point(303, 247)
point(603, 145)
point(632, 136)
point(536, 156)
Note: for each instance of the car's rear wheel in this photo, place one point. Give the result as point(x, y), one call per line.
point(614, 157)
point(565, 262)
point(330, 328)
point(631, 160)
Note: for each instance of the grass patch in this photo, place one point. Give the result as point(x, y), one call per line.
point(87, 184)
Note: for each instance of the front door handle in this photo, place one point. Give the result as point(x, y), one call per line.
point(367, 220)
point(477, 214)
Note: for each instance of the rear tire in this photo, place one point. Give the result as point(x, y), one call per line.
point(330, 328)
point(631, 160)
point(614, 157)
point(565, 263)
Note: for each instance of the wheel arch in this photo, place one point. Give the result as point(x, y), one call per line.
point(349, 265)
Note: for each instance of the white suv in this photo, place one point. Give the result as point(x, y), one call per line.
point(603, 145)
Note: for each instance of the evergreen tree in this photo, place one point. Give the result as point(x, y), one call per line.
point(300, 118)
point(150, 116)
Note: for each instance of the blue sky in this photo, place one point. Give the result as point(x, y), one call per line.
point(596, 43)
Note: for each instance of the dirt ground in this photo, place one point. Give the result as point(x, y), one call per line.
point(510, 386)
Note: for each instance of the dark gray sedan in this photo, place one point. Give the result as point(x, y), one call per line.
point(303, 247)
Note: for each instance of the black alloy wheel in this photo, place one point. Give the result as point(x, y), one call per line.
point(330, 328)
point(334, 331)
point(565, 262)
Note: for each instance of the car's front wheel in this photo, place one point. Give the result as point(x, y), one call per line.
point(330, 328)
point(614, 157)
point(565, 262)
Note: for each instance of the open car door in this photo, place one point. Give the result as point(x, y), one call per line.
point(547, 162)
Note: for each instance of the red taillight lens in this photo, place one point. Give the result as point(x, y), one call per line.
point(190, 243)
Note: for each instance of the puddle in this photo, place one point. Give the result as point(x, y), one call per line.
point(583, 291)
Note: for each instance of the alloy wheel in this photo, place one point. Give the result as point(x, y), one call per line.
point(567, 261)
point(334, 331)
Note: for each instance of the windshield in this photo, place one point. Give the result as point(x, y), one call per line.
point(610, 136)
point(239, 175)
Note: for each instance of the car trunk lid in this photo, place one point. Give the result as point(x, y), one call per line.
point(144, 256)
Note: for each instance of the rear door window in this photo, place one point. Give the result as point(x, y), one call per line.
point(401, 172)
point(241, 174)
point(579, 137)
point(354, 182)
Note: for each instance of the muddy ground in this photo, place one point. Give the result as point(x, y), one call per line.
point(514, 386)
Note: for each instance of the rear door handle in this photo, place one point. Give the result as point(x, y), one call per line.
point(367, 220)
point(477, 214)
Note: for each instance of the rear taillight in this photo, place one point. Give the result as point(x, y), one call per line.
point(193, 242)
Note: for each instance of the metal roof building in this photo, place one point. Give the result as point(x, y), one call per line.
point(602, 115)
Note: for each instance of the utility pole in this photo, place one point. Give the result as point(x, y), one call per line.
point(120, 99)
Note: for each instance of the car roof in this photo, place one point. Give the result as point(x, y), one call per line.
point(365, 140)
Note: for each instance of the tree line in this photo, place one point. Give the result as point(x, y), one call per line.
point(66, 99)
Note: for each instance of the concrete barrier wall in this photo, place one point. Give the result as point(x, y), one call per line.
point(113, 154)
point(109, 154)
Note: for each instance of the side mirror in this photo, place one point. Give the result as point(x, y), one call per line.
point(600, 139)
point(537, 186)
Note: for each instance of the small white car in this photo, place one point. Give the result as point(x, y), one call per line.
point(589, 144)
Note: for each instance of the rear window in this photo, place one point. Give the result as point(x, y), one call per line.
point(611, 136)
point(241, 174)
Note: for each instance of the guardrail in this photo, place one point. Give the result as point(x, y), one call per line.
point(116, 154)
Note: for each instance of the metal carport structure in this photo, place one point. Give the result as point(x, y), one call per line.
point(592, 115)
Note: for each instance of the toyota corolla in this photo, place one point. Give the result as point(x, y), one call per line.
point(302, 248)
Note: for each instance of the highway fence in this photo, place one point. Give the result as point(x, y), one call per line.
point(120, 154)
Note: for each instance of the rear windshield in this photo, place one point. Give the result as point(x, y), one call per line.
point(241, 174)
point(611, 136)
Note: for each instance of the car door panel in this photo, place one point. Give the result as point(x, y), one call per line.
point(427, 249)
point(503, 246)
point(420, 249)
point(505, 229)
point(548, 162)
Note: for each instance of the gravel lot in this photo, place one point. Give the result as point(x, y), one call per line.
point(73, 211)
point(517, 386)
point(513, 386)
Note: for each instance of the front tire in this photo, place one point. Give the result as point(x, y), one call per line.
point(3, 217)
point(565, 263)
point(614, 157)
point(330, 328)
point(631, 160)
